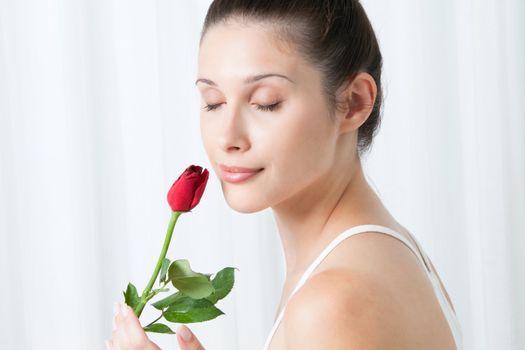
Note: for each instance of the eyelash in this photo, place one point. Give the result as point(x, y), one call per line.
point(269, 108)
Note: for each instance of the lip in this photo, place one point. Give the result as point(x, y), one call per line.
point(234, 174)
point(238, 169)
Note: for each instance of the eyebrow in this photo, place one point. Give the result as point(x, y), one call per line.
point(248, 80)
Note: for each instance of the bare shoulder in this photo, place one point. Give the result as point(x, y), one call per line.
point(338, 309)
point(374, 295)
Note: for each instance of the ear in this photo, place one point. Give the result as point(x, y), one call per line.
point(358, 99)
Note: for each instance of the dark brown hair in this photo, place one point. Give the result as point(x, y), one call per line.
point(333, 35)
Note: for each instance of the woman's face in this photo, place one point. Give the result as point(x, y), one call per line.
point(294, 143)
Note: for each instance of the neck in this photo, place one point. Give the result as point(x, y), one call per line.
point(309, 220)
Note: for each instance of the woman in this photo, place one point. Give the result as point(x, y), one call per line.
point(291, 92)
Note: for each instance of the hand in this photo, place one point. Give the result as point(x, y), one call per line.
point(127, 331)
point(187, 340)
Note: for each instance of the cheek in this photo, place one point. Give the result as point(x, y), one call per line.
point(303, 146)
point(204, 133)
point(207, 136)
point(208, 131)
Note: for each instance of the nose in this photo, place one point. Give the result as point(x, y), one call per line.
point(234, 135)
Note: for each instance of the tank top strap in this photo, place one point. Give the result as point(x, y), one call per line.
point(339, 238)
point(353, 231)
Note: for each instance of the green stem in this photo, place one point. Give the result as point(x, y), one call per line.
point(157, 291)
point(152, 322)
point(144, 298)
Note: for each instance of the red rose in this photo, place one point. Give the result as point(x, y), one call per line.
point(184, 195)
point(187, 190)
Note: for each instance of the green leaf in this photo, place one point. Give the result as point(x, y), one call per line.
point(164, 270)
point(158, 328)
point(189, 282)
point(163, 303)
point(131, 296)
point(188, 310)
point(222, 283)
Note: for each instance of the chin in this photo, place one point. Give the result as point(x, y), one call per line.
point(243, 203)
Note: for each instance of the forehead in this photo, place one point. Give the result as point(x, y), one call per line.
point(239, 50)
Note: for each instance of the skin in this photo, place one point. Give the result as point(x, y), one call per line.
point(127, 333)
point(312, 180)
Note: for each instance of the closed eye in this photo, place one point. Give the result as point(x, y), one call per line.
point(211, 107)
point(270, 108)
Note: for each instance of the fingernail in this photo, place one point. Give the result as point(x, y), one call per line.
point(124, 309)
point(115, 309)
point(185, 333)
point(107, 345)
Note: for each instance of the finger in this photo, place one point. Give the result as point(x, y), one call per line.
point(119, 334)
point(152, 346)
point(187, 340)
point(111, 345)
point(116, 339)
point(135, 334)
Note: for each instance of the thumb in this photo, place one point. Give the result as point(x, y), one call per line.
point(187, 340)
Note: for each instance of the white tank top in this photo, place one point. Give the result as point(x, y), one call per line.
point(453, 322)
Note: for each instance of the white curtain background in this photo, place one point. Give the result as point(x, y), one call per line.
point(99, 115)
